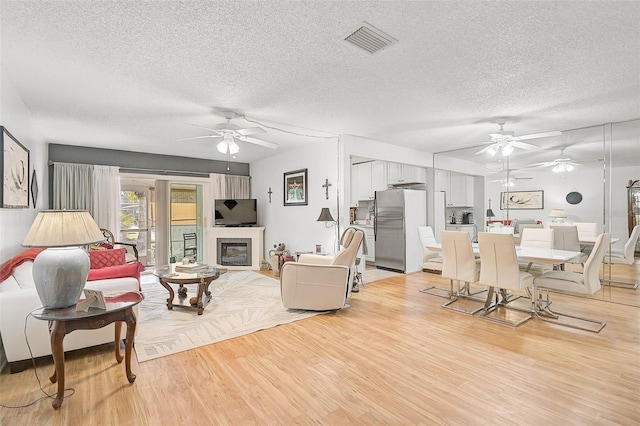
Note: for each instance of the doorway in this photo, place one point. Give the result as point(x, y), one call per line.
point(185, 222)
point(138, 219)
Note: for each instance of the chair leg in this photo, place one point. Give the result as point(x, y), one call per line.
point(502, 299)
point(543, 311)
point(448, 295)
point(464, 294)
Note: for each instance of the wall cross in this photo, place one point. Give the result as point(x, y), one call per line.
point(269, 192)
point(326, 187)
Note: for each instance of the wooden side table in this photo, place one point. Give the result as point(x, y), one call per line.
point(64, 321)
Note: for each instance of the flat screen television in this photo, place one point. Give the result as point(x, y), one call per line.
point(236, 212)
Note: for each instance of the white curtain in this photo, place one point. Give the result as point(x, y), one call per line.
point(217, 186)
point(106, 198)
point(238, 186)
point(72, 186)
point(162, 222)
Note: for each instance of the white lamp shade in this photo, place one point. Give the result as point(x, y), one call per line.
point(558, 213)
point(63, 228)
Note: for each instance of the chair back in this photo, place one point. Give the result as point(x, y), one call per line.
point(536, 237)
point(501, 229)
point(458, 260)
point(427, 238)
point(565, 237)
point(586, 230)
point(591, 270)
point(630, 245)
point(498, 261)
point(347, 255)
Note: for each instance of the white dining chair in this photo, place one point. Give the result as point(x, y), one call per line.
point(499, 270)
point(586, 230)
point(585, 282)
point(536, 237)
point(501, 229)
point(565, 237)
point(459, 264)
point(431, 260)
point(624, 257)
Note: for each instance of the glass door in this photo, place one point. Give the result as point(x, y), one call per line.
point(137, 219)
point(186, 222)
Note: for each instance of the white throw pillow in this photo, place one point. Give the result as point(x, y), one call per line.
point(24, 275)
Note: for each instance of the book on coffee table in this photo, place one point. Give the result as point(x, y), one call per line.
point(192, 267)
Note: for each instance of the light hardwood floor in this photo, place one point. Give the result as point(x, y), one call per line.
point(393, 357)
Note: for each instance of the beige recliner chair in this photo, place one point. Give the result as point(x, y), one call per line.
point(321, 283)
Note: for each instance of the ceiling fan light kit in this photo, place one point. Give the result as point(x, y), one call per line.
point(228, 133)
point(505, 142)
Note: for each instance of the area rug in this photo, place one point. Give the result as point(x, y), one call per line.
point(242, 302)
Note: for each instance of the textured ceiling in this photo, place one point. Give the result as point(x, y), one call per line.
point(134, 75)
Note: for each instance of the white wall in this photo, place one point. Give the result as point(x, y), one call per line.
point(586, 180)
point(16, 118)
point(296, 226)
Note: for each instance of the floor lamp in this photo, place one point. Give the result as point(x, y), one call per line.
point(329, 221)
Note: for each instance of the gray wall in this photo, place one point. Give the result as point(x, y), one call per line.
point(140, 162)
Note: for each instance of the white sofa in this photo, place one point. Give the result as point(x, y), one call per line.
point(18, 297)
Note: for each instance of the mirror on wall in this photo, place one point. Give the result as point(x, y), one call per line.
point(578, 176)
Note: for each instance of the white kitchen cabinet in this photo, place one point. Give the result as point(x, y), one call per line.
point(378, 177)
point(399, 174)
point(459, 188)
point(371, 244)
point(442, 180)
point(470, 229)
point(366, 178)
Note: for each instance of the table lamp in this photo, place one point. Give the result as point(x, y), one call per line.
point(60, 271)
point(489, 211)
point(558, 215)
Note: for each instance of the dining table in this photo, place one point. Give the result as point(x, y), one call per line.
point(529, 254)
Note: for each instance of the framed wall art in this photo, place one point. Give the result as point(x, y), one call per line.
point(15, 172)
point(295, 188)
point(522, 200)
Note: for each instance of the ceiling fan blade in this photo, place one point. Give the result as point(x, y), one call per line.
point(207, 128)
point(259, 142)
point(524, 145)
point(485, 149)
point(251, 131)
point(198, 137)
point(540, 135)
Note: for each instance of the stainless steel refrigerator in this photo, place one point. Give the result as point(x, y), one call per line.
point(398, 213)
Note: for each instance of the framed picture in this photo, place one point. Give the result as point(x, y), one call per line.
point(522, 200)
point(15, 172)
point(295, 188)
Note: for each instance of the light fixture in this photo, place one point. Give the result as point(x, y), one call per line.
point(228, 145)
point(329, 221)
point(60, 271)
point(507, 149)
point(493, 150)
point(563, 167)
point(490, 213)
point(325, 216)
point(558, 215)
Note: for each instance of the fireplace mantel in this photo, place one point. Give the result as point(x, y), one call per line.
point(255, 233)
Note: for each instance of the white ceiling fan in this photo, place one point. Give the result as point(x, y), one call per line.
point(505, 141)
point(560, 165)
point(228, 134)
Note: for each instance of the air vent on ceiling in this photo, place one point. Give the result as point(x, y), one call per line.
point(369, 38)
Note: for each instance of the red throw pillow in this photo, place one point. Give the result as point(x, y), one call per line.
point(103, 258)
point(121, 271)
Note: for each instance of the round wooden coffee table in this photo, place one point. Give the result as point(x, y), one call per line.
point(202, 275)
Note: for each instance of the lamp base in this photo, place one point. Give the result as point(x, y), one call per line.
point(59, 275)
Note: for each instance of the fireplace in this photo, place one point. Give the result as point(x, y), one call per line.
point(234, 251)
